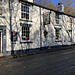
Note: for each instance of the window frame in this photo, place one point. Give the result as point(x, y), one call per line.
point(25, 34)
point(57, 36)
point(57, 32)
point(25, 11)
point(57, 18)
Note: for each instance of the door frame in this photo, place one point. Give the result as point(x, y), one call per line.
point(1, 40)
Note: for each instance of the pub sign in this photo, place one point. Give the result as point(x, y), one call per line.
point(46, 18)
point(14, 36)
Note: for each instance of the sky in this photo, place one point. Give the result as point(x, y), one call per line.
point(55, 2)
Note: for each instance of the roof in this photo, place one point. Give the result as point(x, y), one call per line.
point(46, 8)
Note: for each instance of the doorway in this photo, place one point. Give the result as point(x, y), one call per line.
point(0, 42)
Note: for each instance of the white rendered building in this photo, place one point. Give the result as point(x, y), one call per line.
point(25, 25)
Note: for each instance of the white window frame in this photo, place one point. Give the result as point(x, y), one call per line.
point(57, 18)
point(59, 35)
point(24, 11)
point(23, 35)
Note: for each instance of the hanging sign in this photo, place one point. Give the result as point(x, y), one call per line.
point(14, 36)
point(70, 19)
point(46, 18)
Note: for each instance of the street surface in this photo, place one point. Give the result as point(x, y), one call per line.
point(51, 63)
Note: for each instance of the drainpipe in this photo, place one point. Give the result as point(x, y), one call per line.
point(10, 12)
point(40, 31)
point(71, 30)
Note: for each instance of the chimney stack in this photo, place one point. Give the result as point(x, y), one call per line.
point(60, 7)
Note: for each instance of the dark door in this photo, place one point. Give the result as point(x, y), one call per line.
point(0, 42)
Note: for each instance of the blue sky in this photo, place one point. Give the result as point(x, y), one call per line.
point(55, 2)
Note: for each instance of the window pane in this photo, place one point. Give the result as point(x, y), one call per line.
point(27, 16)
point(24, 9)
point(57, 18)
point(27, 9)
point(21, 7)
point(22, 15)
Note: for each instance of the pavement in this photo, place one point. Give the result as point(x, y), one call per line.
point(60, 62)
point(33, 52)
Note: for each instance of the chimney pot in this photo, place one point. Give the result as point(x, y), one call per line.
point(60, 7)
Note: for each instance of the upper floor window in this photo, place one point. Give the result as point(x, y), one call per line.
point(0, 7)
point(57, 18)
point(24, 11)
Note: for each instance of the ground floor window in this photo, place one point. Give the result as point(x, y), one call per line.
point(25, 32)
point(70, 34)
point(57, 33)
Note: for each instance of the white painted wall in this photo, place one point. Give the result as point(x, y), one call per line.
point(35, 29)
point(30, 0)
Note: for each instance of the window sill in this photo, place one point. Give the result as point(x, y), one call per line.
point(47, 24)
point(58, 24)
point(28, 41)
point(2, 16)
point(58, 41)
point(25, 20)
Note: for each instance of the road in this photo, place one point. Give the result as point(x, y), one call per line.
point(51, 63)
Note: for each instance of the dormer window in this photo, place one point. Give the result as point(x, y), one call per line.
point(24, 11)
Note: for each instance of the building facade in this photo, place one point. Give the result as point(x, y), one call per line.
point(25, 25)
